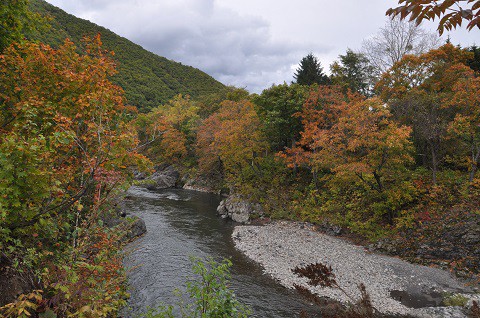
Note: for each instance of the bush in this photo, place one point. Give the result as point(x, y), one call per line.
point(208, 294)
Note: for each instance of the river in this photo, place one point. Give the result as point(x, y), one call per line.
point(183, 223)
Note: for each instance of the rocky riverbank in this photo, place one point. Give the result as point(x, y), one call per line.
point(281, 246)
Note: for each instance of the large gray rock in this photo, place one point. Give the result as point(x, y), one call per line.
point(131, 225)
point(164, 177)
point(135, 227)
point(239, 209)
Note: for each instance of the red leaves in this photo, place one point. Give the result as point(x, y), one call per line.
point(318, 274)
point(450, 10)
point(348, 136)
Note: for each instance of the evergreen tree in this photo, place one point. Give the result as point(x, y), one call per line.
point(474, 62)
point(310, 72)
point(353, 71)
point(276, 107)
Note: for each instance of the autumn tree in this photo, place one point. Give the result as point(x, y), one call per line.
point(396, 39)
point(230, 139)
point(210, 103)
point(65, 148)
point(450, 12)
point(465, 126)
point(276, 107)
point(418, 89)
point(310, 72)
point(167, 133)
point(355, 141)
point(353, 71)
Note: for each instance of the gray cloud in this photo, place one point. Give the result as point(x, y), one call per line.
point(235, 49)
point(246, 43)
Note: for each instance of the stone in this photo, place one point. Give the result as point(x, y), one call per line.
point(132, 225)
point(238, 209)
point(135, 227)
point(138, 175)
point(165, 176)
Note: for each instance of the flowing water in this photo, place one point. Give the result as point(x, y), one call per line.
point(180, 224)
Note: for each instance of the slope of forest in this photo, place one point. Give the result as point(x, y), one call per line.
point(148, 79)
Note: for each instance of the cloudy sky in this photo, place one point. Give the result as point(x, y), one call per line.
point(246, 43)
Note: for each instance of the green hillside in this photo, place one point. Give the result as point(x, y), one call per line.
point(148, 79)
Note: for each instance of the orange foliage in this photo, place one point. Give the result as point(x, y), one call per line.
point(350, 136)
point(65, 147)
point(435, 71)
point(231, 137)
point(66, 100)
point(450, 12)
point(167, 130)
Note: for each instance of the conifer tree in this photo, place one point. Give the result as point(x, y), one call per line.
point(310, 72)
point(354, 72)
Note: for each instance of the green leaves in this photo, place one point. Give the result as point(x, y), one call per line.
point(147, 79)
point(65, 148)
point(25, 180)
point(210, 294)
point(275, 107)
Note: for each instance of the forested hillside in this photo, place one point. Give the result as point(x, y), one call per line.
point(392, 160)
point(148, 79)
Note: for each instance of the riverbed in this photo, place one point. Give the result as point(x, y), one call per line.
point(395, 286)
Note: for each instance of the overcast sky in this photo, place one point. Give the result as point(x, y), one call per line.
point(246, 43)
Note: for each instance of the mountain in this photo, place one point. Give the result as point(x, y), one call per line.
point(148, 80)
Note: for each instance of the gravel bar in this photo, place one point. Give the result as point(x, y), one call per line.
point(281, 246)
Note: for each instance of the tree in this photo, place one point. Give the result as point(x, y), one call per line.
point(62, 106)
point(168, 131)
point(65, 149)
point(353, 72)
point(355, 143)
point(230, 139)
point(276, 106)
point(465, 127)
point(450, 12)
point(396, 39)
point(310, 72)
point(210, 103)
point(15, 19)
point(474, 62)
point(418, 90)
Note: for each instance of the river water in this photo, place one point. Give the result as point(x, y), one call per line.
point(183, 223)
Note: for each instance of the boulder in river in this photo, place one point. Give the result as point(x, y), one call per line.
point(239, 209)
point(165, 176)
point(135, 227)
point(132, 225)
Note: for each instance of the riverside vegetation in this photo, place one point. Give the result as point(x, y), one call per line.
point(394, 161)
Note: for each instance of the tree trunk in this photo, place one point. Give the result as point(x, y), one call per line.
point(475, 159)
point(379, 181)
point(434, 166)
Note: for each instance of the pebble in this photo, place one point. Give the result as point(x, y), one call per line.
point(281, 246)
